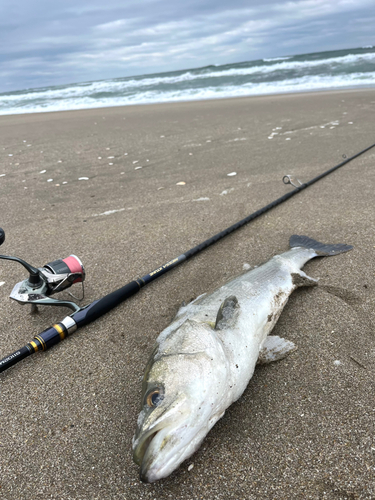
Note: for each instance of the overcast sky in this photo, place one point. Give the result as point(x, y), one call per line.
point(44, 43)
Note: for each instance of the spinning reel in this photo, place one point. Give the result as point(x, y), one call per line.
point(45, 281)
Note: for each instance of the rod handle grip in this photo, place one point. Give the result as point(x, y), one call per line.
point(105, 304)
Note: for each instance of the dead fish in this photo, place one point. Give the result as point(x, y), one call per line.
point(204, 359)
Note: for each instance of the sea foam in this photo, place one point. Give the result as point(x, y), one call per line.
point(332, 70)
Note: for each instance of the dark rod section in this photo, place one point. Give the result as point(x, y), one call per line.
point(99, 307)
point(12, 359)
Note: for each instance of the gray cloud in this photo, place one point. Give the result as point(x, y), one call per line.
point(46, 43)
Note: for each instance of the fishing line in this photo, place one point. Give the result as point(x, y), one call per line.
point(98, 308)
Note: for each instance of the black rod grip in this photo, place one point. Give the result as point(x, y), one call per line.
point(13, 358)
point(104, 305)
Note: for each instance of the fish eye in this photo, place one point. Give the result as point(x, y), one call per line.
point(154, 397)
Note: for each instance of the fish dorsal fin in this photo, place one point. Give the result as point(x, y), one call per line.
point(226, 313)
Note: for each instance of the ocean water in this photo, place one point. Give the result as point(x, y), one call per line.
point(339, 69)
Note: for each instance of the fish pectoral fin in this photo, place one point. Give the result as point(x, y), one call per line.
point(274, 348)
point(226, 314)
point(301, 279)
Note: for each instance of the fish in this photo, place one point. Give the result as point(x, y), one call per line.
point(203, 361)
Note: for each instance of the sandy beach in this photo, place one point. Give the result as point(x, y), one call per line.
point(103, 184)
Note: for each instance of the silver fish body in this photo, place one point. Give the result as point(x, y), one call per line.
point(204, 359)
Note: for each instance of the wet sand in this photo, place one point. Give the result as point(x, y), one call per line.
point(304, 428)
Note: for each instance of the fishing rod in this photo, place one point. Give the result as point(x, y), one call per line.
point(63, 273)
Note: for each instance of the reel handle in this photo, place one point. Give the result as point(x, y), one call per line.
point(34, 278)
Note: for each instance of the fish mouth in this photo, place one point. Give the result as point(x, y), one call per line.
point(146, 454)
point(142, 447)
point(155, 455)
point(162, 451)
point(144, 473)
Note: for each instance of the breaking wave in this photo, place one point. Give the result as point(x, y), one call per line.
point(325, 70)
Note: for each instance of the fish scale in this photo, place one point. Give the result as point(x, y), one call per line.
point(256, 285)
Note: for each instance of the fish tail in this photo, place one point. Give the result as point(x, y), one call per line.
point(320, 249)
